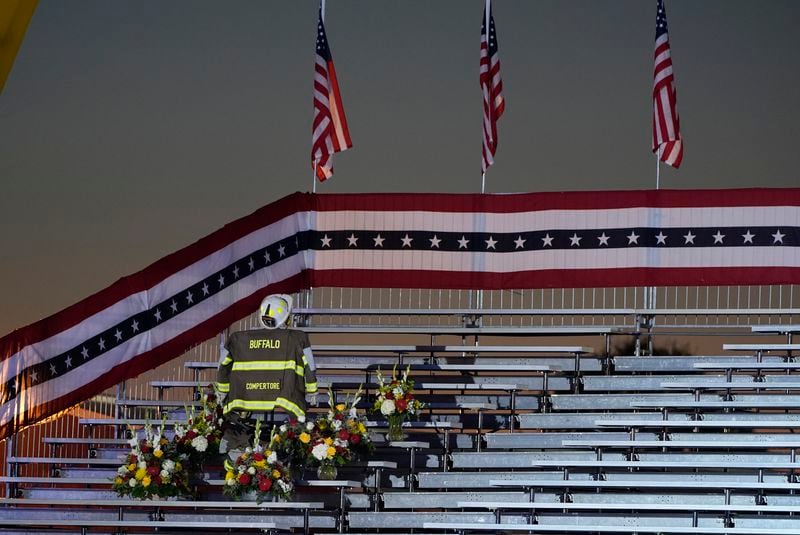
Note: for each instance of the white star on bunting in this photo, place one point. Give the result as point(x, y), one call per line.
point(462, 243)
point(118, 335)
point(378, 240)
point(434, 241)
point(205, 288)
point(748, 237)
point(603, 239)
point(689, 238)
point(352, 241)
point(778, 237)
point(547, 241)
point(718, 237)
point(633, 238)
point(281, 250)
point(520, 243)
point(326, 241)
point(490, 243)
point(68, 361)
point(135, 326)
point(407, 241)
point(189, 298)
point(575, 240)
point(661, 238)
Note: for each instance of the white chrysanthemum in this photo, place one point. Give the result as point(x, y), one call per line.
point(141, 464)
point(387, 407)
point(168, 465)
point(301, 418)
point(339, 442)
point(164, 475)
point(251, 470)
point(200, 443)
point(272, 458)
point(397, 391)
point(132, 482)
point(310, 426)
point(241, 469)
point(283, 428)
point(122, 470)
point(248, 449)
point(320, 451)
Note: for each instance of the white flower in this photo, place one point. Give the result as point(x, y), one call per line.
point(337, 424)
point(387, 407)
point(132, 482)
point(283, 428)
point(251, 470)
point(353, 412)
point(122, 470)
point(241, 468)
point(164, 475)
point(200, 443)
point(339, 442)
point(397, 391)
point(141, 464)
point(310, 426)
point(231, 482)
point(272, 458)
point(285, 487)
point(301, 418)
point(320, 451)
point(168, 465)
point(248, 450)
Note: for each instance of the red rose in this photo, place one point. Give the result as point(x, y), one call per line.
point(145, 448)
point(264, 485)
point(244, 479)
point(258, 456)
point(190, 434)
point(344, 435)
point(153, 470)
point(355, 439)
point(210, 418)
point(339, 417)
point(292, 421)
point(290, 434)
point(389, 395)
point(401, 405)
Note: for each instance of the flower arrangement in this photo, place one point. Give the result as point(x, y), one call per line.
point(201, 436)
point(396, 402)
point(257, 471)
point(336, 438)
point(152, 468)
point(290, 441)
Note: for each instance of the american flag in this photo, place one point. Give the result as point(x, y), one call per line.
point(492, 87)
point(329, 133)
point(666, 124)
point(448, 241)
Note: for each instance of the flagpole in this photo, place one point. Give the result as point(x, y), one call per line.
point(658, 169)
point(483, 182)
point(314, 168)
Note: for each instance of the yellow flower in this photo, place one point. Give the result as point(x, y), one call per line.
point(331, 451)
point(260, 464)
point(146, 481)
point(328, 441)
point(305, 438)
point(362, 428)
point(340, 407)
point(131, 467)
point(158, 453)
point(276, 474)
point(228, 475)
point(164, 441)
point(276, 438)
point(117, 480)
point(178, 466)
point(140, 473)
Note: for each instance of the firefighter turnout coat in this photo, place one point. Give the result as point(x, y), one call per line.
point(267, 368)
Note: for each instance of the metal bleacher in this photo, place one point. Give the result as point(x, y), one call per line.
point(519, 437)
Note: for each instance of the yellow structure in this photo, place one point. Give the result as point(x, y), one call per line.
point(14, 18)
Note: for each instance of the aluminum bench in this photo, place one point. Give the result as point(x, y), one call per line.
point(539, 528)
point(673, 364)
point(722, 443)
point(728, 423)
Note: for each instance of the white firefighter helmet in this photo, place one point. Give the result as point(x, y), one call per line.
point(276, 310)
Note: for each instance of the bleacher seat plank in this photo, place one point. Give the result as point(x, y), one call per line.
point(570, 528)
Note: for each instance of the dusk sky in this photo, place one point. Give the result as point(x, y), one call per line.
point(129, 129)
